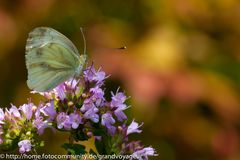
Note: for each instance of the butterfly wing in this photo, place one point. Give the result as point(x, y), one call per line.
point(51, 59)
point(44, 35)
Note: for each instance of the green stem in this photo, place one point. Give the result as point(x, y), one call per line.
point(71, 141)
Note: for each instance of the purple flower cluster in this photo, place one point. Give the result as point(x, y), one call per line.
point(78, 106)
point(21, 123)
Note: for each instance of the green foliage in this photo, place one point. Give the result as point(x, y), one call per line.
point(79, 135)
point(74, 149)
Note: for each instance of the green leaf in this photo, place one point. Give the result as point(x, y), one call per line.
point(9, 144)
point(100, 147)
point(78, 135)
point(91, 152)
point(74, 149)
point(99, 132)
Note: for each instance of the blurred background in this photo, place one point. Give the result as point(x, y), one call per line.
point(181, 66)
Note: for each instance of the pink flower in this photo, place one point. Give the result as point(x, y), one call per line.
point(14, 111)
point(75, 120)
point(27, 110)
point(144, 153)
point(40, 124)
point(108, 121)
point(1, 116)
point(63, 121)
point(24, 146)
point(134, 128)
point(49, 110)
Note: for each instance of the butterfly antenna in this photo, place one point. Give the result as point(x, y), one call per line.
point(84, 41)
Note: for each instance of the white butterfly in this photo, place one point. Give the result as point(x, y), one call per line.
point(51, 58)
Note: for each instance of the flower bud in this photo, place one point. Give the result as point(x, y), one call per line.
point(28, 133)
point(70, 104)
point(89, 134)
point(120, 129)
point(34, 108)
point(84, 95)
